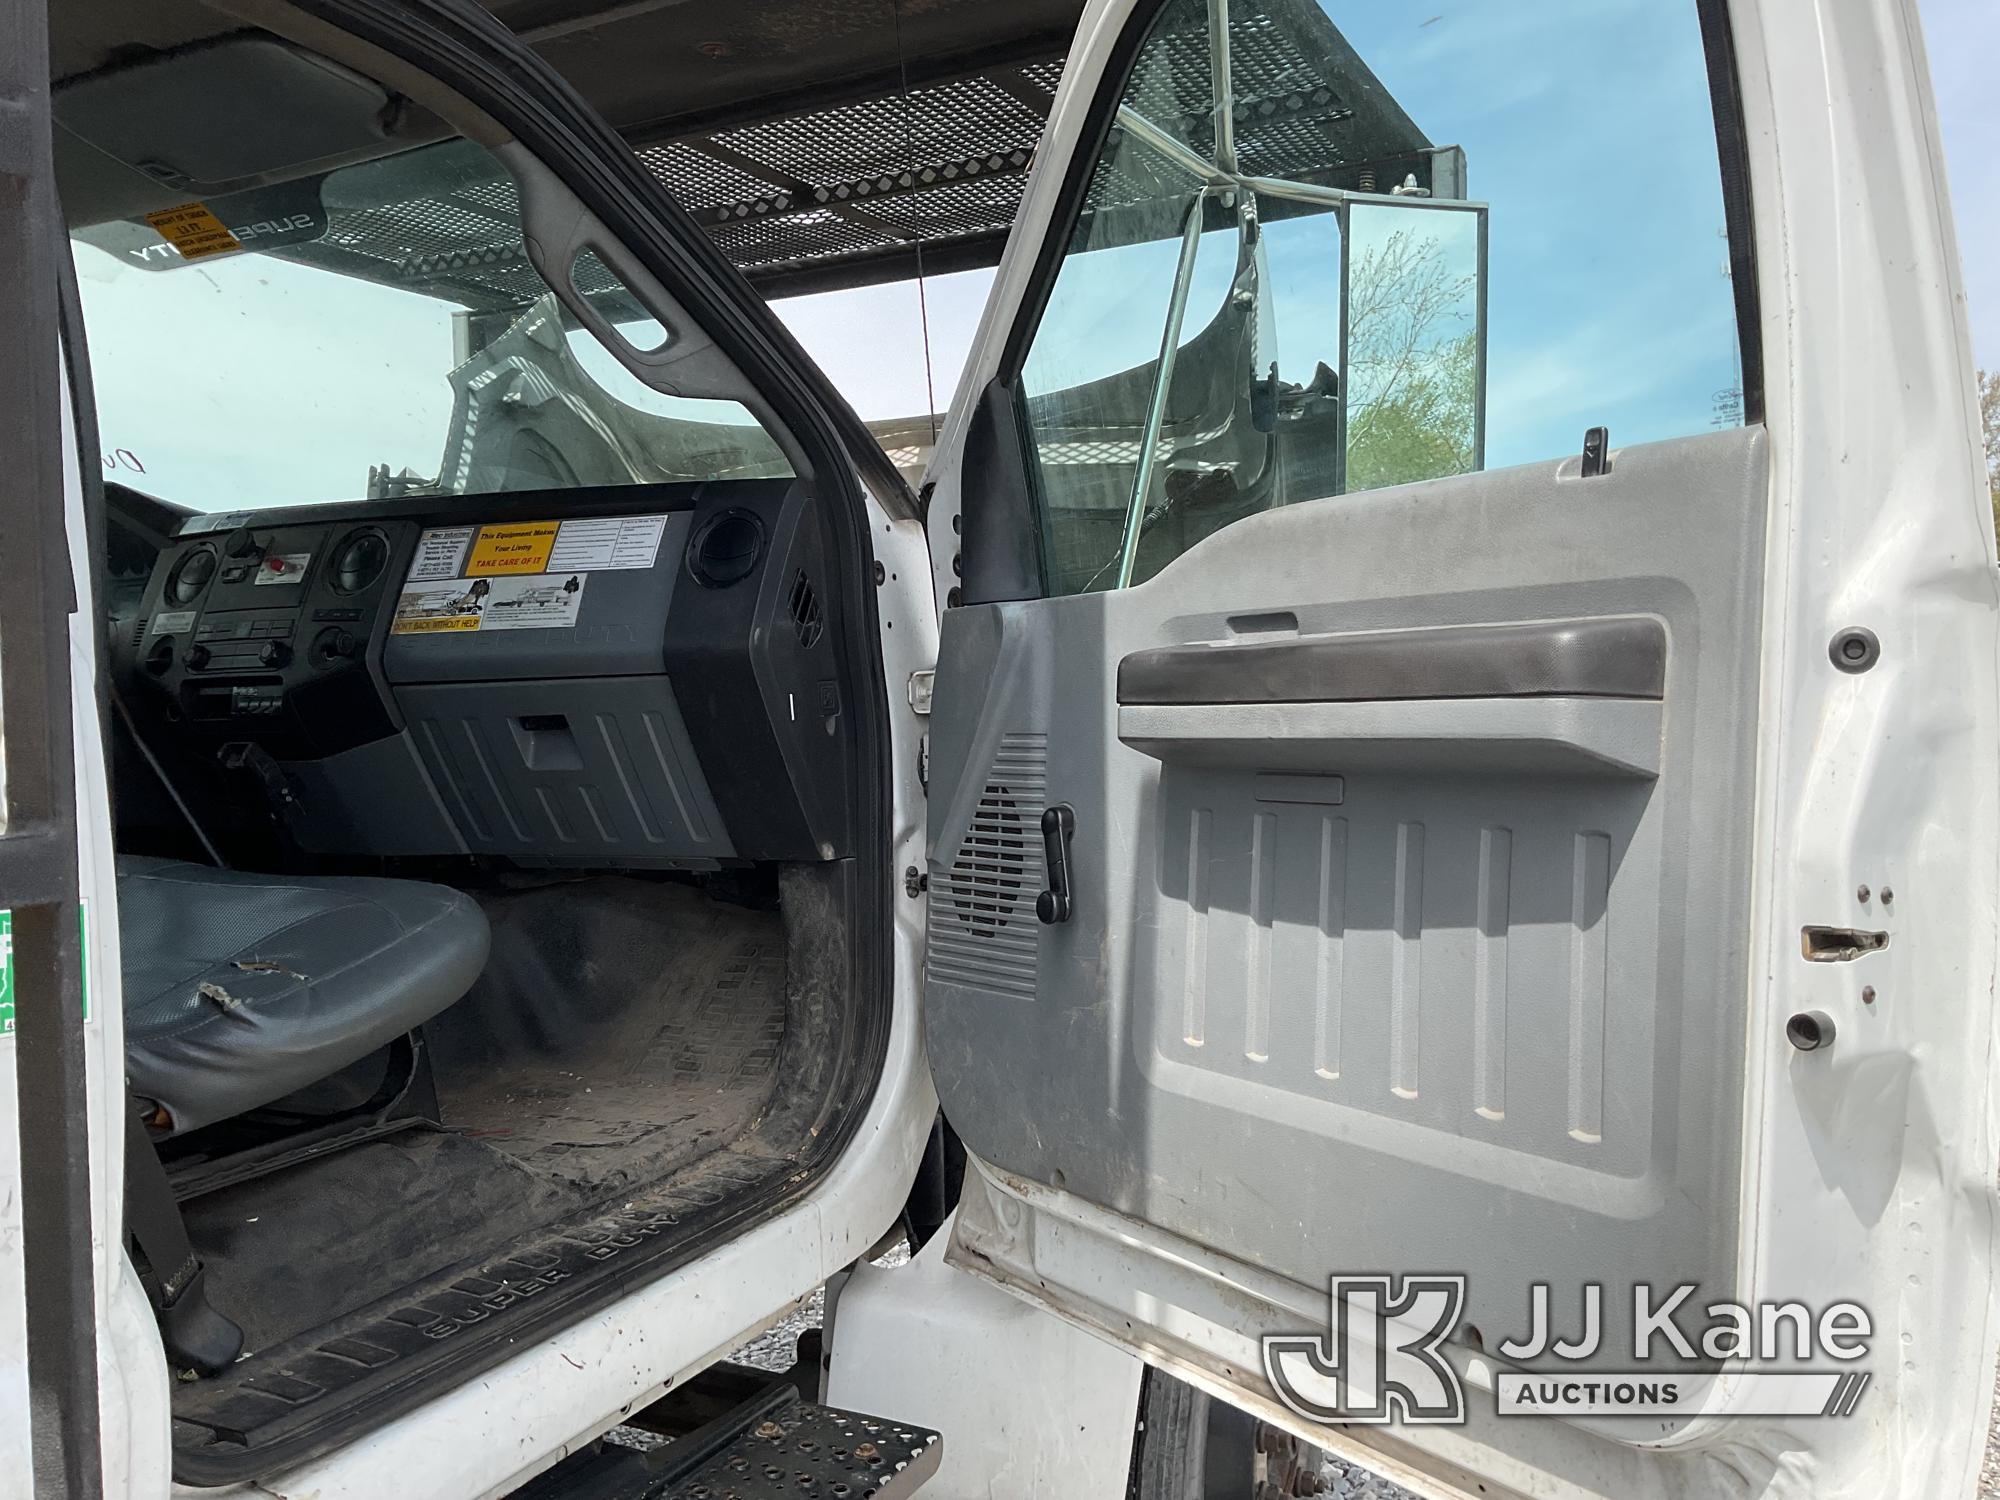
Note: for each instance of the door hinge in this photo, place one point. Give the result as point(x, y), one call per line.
point(920, 690)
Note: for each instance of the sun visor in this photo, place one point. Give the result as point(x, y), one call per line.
point(232, 113)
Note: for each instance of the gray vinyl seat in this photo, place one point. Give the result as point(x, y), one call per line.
point(241, 988)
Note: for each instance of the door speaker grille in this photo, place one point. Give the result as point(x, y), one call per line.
point(983, 934)
point(986, 876)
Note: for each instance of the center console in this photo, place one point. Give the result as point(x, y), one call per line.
point(273, 626)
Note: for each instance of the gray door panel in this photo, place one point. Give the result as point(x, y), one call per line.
point(1356, 984)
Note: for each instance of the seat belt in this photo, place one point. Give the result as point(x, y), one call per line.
point(196, 1336)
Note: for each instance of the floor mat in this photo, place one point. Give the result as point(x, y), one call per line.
point(295, 1249)
point(622, 1030)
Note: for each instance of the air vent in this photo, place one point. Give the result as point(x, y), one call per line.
point(724, 549)
point(804, 606)
point(359, 560)
point(190, 576)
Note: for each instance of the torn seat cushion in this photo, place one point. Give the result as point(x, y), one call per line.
point(241, 988)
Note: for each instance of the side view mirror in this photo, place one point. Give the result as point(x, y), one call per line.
point(1413, 342)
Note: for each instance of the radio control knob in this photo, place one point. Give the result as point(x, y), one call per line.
point(195, 658)
point(274, 653)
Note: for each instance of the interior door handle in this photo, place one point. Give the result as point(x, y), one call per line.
point(1058, 825)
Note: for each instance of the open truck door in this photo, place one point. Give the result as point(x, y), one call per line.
point(1416, 880)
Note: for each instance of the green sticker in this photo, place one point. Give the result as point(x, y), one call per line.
point(7, 966)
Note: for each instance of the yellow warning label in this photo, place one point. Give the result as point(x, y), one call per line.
point(193, 230)
point(512, 549)
point(422, 625)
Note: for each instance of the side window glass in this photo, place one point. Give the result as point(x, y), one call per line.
point(1339, 245)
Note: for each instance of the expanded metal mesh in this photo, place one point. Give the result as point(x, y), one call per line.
point(818, 196)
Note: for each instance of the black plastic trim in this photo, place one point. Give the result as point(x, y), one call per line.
point(441, 510)
point(1733, 152)
point(1608, 658)
point(1000, 551)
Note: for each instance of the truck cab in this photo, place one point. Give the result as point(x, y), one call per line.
point(1406, 807)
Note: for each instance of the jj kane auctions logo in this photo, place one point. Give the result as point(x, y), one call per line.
point(1381, 1359)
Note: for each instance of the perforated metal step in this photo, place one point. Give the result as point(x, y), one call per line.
point(799, 1449)
point(772, 1445)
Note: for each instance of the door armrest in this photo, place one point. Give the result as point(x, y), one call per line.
point(1615, 737)
point(1615, 657)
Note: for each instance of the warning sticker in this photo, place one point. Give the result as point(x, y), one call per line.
point(602, 543)
point(548, 602)
point(526, 575)
point(512, 549)
point(441, 552)
point(543, 601)
point(193, 230)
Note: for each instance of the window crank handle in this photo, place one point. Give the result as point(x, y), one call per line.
point(1058, 825)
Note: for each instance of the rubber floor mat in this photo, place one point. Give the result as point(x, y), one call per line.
point(671, 1054)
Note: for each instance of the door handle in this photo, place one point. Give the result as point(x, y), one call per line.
point(1058, 825)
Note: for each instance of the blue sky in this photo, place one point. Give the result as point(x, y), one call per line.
point(1427, 67)
point(1595, 233)
point(1963, 39)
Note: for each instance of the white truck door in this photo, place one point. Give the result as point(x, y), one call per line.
point(1416, 878)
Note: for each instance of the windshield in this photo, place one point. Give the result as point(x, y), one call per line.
point(381, 333)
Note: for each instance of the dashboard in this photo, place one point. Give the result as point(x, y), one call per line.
point(634, 676)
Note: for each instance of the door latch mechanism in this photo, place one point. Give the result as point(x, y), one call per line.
point(1058, 825)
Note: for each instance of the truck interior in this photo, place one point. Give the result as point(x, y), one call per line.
point(493, 701)
point(491, 669)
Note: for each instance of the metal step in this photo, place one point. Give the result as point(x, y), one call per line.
point(799, 1449)
point(774, 1445)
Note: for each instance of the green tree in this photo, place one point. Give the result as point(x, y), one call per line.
point(1413, 370)
point(1989, 420)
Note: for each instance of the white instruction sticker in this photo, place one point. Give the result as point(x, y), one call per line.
point(548, 602)
point(173, 622)
point(539, 601)
point(598, 544)
point(441, 552)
